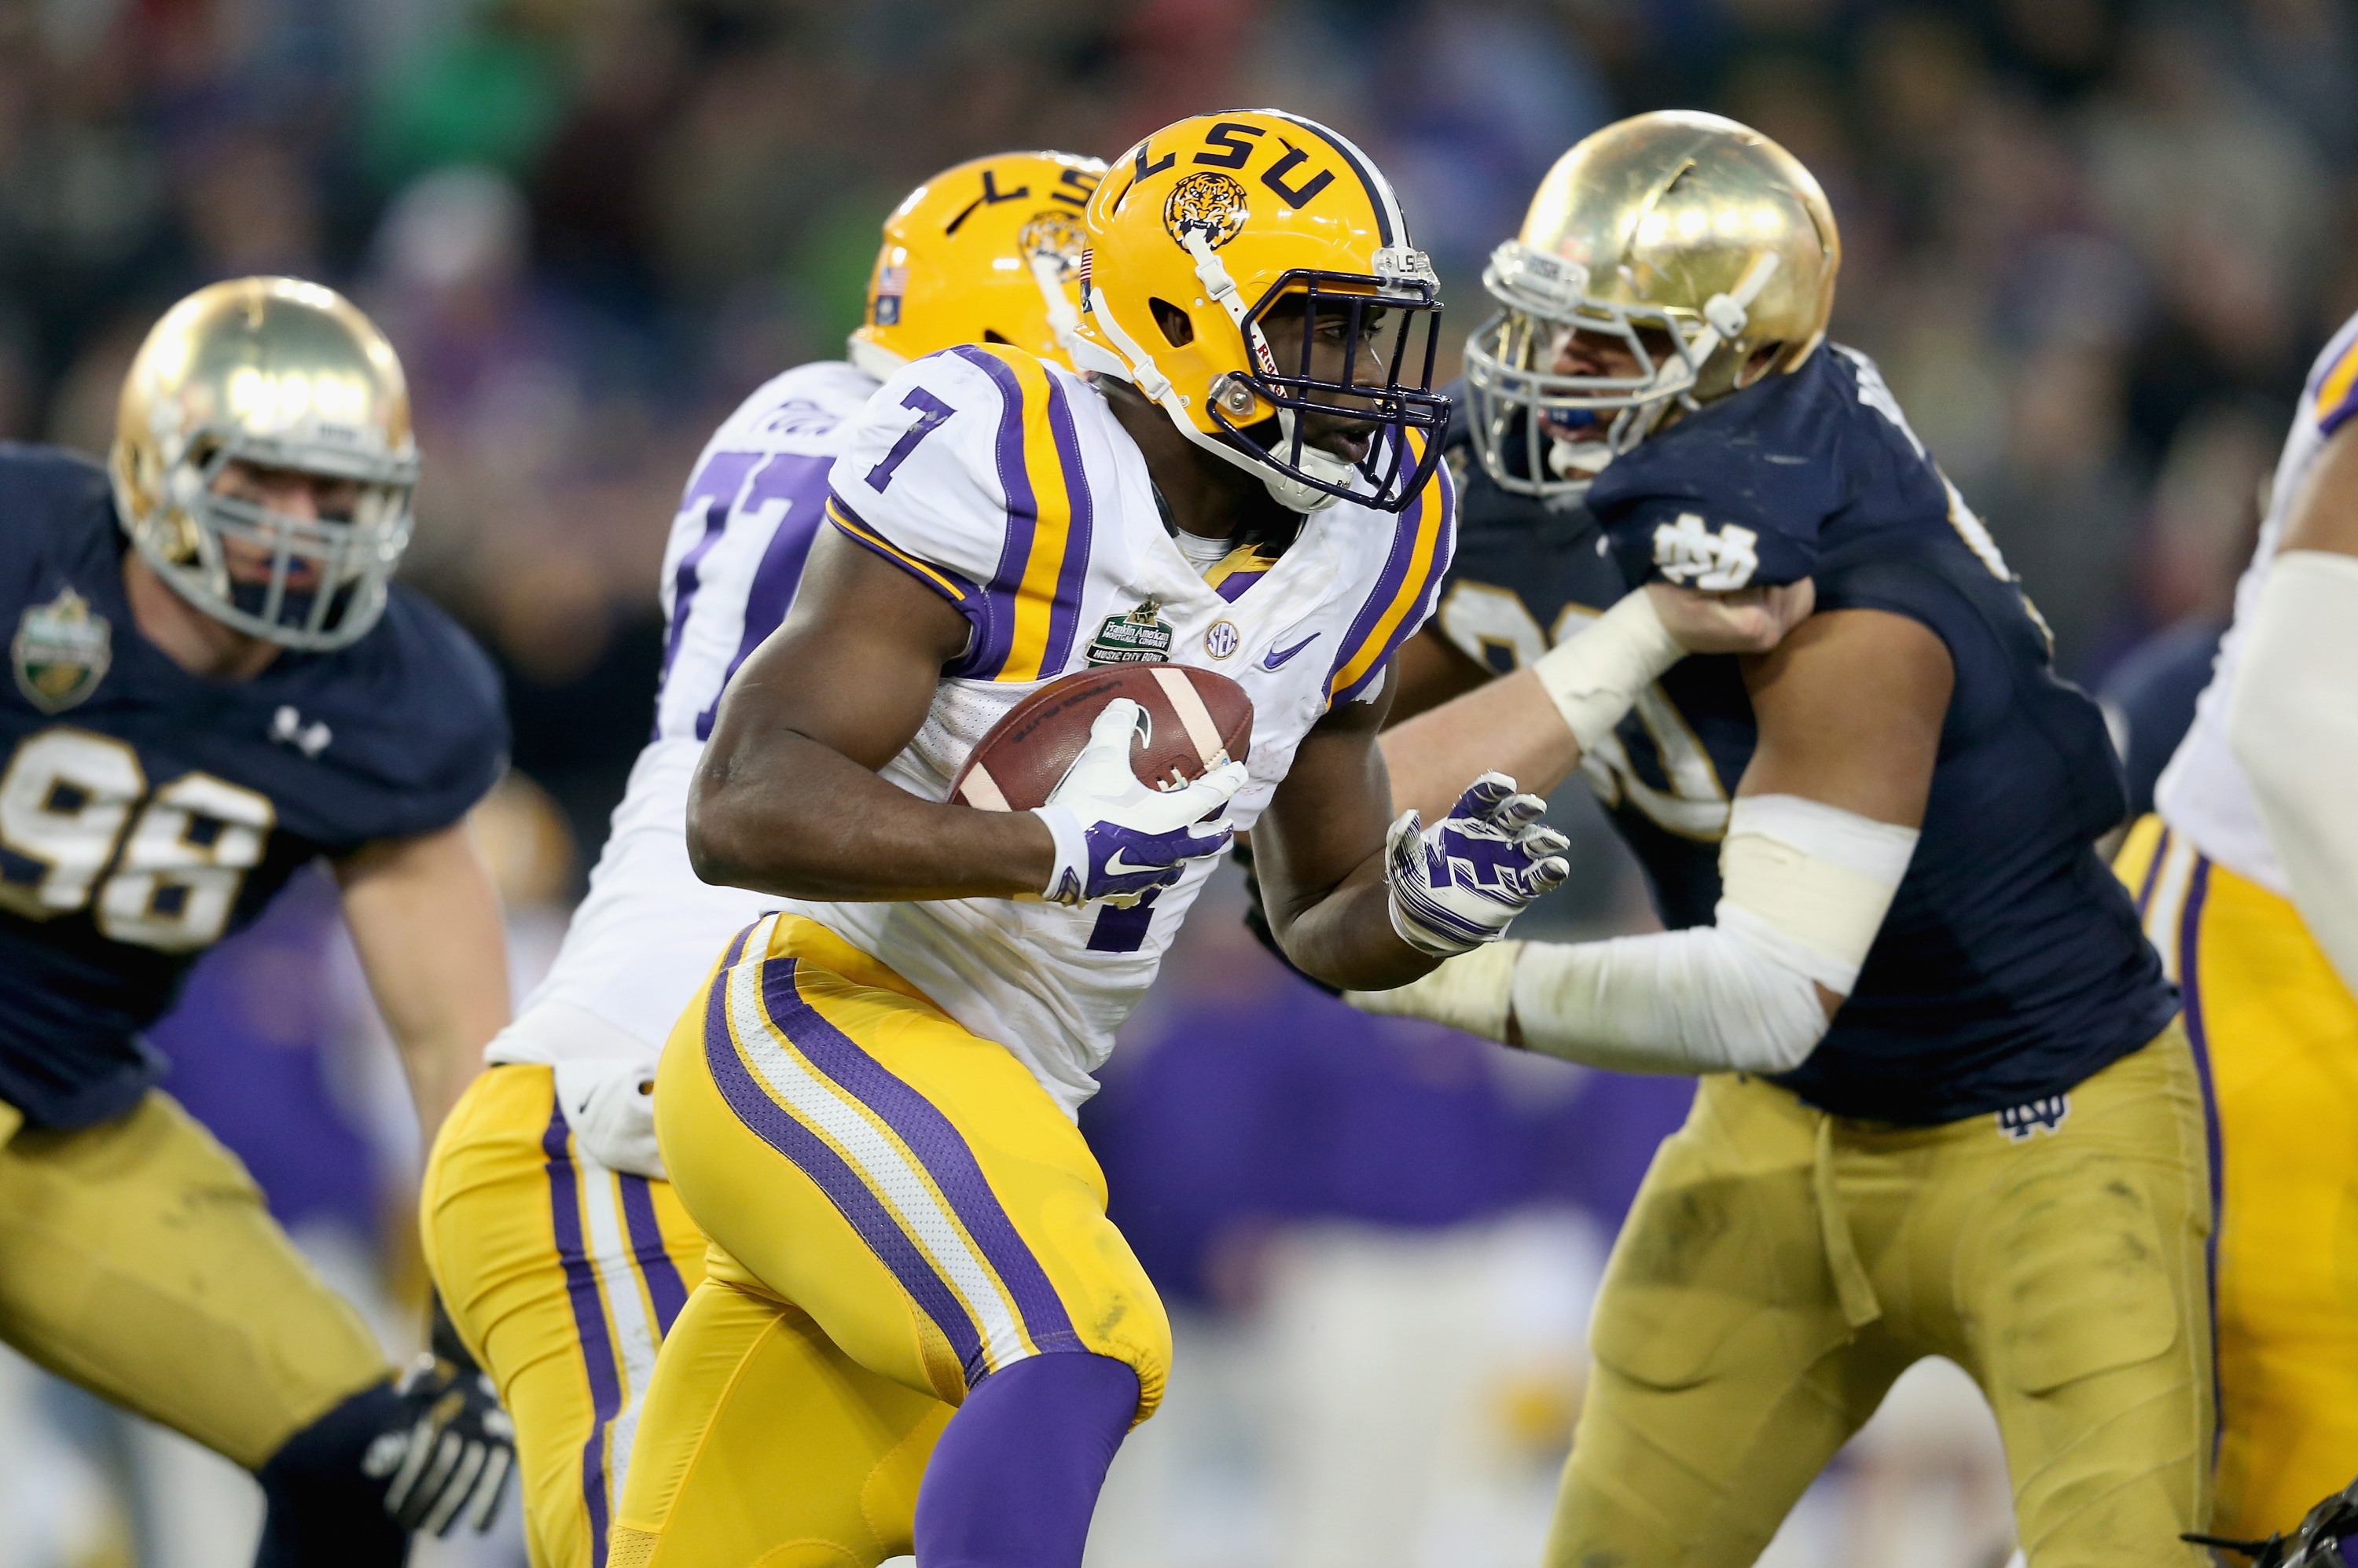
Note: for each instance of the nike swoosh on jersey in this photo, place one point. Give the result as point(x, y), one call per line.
point(1277, 657)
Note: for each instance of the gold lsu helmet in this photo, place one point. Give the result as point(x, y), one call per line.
point(1697, 244)
point(1205, 228)
point(283, 375)
point(989, 252)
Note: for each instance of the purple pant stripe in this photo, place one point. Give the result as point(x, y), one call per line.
point(2197, 1034)
point(589, 1322)
point(664, 1288)
point(808, 1154)
point(936, 1145)
point(2152, 873)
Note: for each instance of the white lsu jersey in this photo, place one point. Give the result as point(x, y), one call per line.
point(2203, 794)
point(1005, 484)
point(644, 938)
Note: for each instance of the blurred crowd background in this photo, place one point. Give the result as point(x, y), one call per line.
point(2092, 242)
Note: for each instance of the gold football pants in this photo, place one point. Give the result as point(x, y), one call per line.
point(563, 1277)
point(1782, 1266)
point(2276, 1032)
point(138, 1259)
point(897, 1209)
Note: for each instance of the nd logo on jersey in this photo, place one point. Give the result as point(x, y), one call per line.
point(61, 651)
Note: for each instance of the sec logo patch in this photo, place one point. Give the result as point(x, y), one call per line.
point(1221, 639)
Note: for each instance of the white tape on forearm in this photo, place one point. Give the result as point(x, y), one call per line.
point(2292, 721)
point(1595, 676)
point(1805, 887)
point(1810, 882)
point(1469, 992)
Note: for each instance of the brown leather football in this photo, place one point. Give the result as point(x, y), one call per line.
point(1192, 716)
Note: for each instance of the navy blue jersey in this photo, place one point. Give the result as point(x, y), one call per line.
point(2149, 698)
point(147, 813)
point(2011, 965)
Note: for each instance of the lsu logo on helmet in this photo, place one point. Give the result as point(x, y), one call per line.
point(989, 252)
point(1212, 229)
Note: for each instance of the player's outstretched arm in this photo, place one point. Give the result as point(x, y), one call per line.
point(1357, 898)
point(787, 799)
point(425, 922)
point(1535, 723)
point(2292, 716)
point(1850, 709)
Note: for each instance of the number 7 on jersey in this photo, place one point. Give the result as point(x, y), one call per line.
point(931, 411)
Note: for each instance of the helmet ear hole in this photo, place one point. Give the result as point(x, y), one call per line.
point(1177, 327)
point(989, 336)
point(1759, 362)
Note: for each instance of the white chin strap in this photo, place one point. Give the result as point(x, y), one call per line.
point(1048, 272)
point(873, 358)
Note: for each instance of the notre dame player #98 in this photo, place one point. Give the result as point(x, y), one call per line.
point(215, 682)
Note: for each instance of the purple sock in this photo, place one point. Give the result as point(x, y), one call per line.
point(1015, 1476)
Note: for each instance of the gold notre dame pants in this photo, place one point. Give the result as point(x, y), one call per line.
point(137, 1259)
point(897, 1209)
point(1782, 1266)
point(563, 1276)
point(2277, 1033)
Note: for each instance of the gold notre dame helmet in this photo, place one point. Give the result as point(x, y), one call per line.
point(1204, 229)
point(283, 375)
point(989, 252)
point(1698, 243)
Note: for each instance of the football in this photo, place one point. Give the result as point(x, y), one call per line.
point(1192, 718)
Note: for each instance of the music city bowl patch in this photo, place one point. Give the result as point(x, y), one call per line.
point(61, 652)
point(1140, 637)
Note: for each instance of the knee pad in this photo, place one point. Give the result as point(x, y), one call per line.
point(323, 1509)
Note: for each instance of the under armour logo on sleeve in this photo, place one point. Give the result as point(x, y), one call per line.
point(286, 728)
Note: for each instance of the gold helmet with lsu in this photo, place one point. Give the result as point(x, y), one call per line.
point(282, 374)
point(1209, 226)
point(989, 252)
point(1697, 244)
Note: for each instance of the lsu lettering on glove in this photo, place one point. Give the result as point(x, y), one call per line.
point(1117, 840)
point(1461, 883)
point(609, 1103)
point(447, 1453)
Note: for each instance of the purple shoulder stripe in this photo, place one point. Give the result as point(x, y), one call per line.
point(1072, 577)
point(989, 654)
point(967, 599)
point(1394, 581)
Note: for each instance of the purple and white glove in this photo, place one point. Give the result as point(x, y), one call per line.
point(1118, 840)
point(1461, 883)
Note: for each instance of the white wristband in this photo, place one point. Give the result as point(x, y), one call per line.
point(1071, 872)
point(1595, 676)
